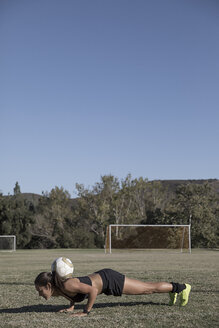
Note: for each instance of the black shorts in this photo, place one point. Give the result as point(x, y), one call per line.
point(113, 282)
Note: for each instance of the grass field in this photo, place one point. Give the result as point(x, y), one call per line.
point(20, 305)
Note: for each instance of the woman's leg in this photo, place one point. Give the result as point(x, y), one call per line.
point(137, 287)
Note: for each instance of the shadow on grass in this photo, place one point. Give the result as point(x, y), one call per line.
point(55, 308)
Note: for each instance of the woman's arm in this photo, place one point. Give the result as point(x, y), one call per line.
point(92, 295)
point(78, 287)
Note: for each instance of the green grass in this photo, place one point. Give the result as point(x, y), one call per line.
point(20, 305)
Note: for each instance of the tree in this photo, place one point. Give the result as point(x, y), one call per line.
point(95, 204)
point(17, 189)
point(53, 211)
point(16, 219)
point(196, 204)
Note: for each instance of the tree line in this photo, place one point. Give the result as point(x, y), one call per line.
point(54, 220)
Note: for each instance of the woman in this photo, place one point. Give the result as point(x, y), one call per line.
point(106, 281)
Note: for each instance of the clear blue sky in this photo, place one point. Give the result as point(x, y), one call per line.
point(95, 87)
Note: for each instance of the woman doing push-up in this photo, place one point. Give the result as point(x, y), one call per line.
point(108, 282)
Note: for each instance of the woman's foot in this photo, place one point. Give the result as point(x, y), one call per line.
point(173, 298)
point(184, 295)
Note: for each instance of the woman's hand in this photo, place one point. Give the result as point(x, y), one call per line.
point(69, 309)
point(66, 310)
point(79, 314)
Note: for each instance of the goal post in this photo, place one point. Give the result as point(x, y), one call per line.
point(7, 243)
point(148, 236)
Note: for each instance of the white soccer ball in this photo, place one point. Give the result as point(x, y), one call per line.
point(63, 267)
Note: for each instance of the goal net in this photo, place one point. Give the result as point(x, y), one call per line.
point(140, 236)
point(7, 243)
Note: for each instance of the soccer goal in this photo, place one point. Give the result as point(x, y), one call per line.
point(7, 243)
point(146, 236)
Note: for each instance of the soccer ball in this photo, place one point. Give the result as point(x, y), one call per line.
point(63, 267)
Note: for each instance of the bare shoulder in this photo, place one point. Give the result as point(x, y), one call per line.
point(71, 284)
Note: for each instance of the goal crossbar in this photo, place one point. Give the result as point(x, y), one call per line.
point(150, 225)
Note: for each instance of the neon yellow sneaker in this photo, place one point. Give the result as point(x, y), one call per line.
point(184, 295)
point(173, 298)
